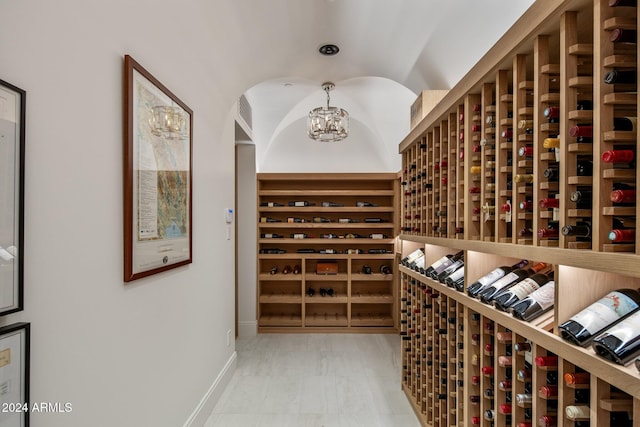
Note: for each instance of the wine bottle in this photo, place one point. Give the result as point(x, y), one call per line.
point(522, 346)
point(507, 134)
point(437, 264)
point(524, 178)
point(582, 198)
point(574, 378)
point(455, 277)
point(583, 133)
point(551, 143)
point(549, 202)
point(552, 114)
point(551, 232)
point(623, 196)
point(625, 123)
point(618, 156)
point(450, 270)
point(552, 173)
point(622, 235)
point(537, 303)
point(385, 269)
point(521, 290)
point(300, 204)
point(616, 3)
point(607, 311)
point(526, 205)
point(584, 104)
point(487, 295)
point(487, 280)
point(581, 230)
point(450, 260)
point(621, 77)
point(547, 421)
point(621, 342)
point(574, 412)
point(412, 257)
point(525, 151)
point(621, 35)
point(584, 168)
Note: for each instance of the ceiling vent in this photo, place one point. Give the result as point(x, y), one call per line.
point(244, 111)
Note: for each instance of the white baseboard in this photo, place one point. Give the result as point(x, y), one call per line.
point(247, 329)
point(204, 409)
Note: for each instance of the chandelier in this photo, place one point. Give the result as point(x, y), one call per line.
point(330, 123)
point(168, 122)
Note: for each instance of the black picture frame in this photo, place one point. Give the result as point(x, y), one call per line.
point(15, 374)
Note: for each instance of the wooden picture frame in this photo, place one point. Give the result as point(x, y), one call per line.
point(15, 354)
point(12, 142)
point(157, 176)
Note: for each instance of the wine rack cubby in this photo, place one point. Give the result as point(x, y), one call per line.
point(488, 368)
point(541, 134)
point(326, 251)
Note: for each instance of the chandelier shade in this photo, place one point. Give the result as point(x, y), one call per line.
point(328, 123)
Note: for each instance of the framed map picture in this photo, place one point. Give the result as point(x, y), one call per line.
point(157, 176)
point(12, 127)
point(14, 375)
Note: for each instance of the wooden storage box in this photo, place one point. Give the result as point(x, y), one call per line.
point(327, 268)
point(425, 103)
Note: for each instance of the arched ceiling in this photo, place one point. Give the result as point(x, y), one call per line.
point(418, 44)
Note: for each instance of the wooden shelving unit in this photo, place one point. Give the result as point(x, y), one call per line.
point(358, 240)
point(510, 135)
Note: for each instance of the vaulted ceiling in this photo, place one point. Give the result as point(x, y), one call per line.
point(411, 45)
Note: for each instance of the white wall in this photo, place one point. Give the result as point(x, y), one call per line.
point(142, 354)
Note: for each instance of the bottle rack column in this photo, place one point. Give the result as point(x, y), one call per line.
point(439, 198)
point(452, 179)
point(523, 178)
point(576, 152)
point(503, 159)
point(473, 166)
point(488, 176)
point(442, 166)
point(460, 174)
point(545, 140)
point(615, 144)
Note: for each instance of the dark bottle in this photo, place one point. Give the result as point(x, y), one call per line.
point(487, 280)
point(621, 77)
point(552, 114)
point(621, 35)
point(616, 3)
point(537, 303)
point(552, 173)
point(620, 343)
point(585, 104)
point(581, 229)
point(525, 151)
point(521, 290)
point(487, 295)
point(625, 123)
point(526, 205)
point(522, 346)
point(609, 310)
point(584, 168)
point(507, 134)
point(582, 198)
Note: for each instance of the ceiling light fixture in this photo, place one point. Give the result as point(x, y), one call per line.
point(330, 123)
point(328, 49)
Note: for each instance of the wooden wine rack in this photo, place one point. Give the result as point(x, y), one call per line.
point(363, 302)
point(505, 124)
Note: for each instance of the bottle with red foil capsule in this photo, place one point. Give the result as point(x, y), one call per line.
point(524, 374)
point(507, 134)
point(524, 424)
point(506, 207)
point(476, 211)
point(526, 151)
point(623, 196)
point(475, 421)
point(461, 136)
point(549, 391)
point(583, 133)
point(505, 385)
point(476, 128)
point(475, 380)
point(549, 202)
point(505, 361)
point(474, 190)
point(505, 408)
point(618, 156)
point(548, 421)
point(552, 114)
point(526, 205)
point(488, 349)
point(624, 235)
point(476, 108)
point(546, 361)
point(487, 371)
point(621, 35)
point(477, 148)
point(575, 378)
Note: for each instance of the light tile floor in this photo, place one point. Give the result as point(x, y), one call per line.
point(315, 380)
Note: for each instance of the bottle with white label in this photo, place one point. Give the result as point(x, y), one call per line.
point(604, 313)
point(487, 280)
point(509, 280)
point(521, 290)
point(621, 342)
point(536, 304)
